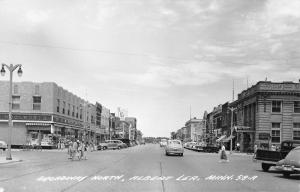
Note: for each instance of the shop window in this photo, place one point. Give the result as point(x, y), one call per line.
point(37, 100)
point(15, 102)
point(276, 106)
point(296, 106)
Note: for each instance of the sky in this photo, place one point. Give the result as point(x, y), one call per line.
point(162, 60)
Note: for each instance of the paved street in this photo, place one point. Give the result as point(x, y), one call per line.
point(52, 171)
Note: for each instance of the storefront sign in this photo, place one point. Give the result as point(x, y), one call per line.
point(63, 120)
point(26, 117)
point(263, 136)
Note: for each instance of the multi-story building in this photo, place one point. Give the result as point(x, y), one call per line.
point(267, 114)
point(44, 113)
point(194, 129)
point(132, 127)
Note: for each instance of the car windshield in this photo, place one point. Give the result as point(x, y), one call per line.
point(174, 143)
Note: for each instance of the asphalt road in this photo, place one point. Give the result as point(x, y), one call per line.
point(140, 168)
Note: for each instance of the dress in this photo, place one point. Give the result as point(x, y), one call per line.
point(223, 153)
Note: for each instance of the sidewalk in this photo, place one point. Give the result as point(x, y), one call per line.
point(239, 153)
point(4, 161)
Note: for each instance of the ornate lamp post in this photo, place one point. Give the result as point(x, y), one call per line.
point(11, 68)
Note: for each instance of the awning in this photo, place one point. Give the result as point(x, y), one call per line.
point(220, 139)
point(228, 138)
point(38, 124)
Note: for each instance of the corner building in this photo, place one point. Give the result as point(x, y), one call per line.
point(46, 114)
point(267, 114)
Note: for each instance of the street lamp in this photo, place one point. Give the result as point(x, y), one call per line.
point(11, 69)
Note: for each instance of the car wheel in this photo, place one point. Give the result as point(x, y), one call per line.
point(167, 154)
point(119, 147)
point(286, 174)
point(265, 167)
point(104, 148)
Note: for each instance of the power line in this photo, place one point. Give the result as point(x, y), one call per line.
point(96, 50)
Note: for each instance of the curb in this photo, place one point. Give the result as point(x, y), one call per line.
point(4, 161)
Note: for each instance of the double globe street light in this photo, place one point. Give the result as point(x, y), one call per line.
point(11, 68)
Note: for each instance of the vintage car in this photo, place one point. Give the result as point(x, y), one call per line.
point(111, 144)
point(163, 142)
point(190, 145)
point(3, 145)
point(174, 147)
point(269, 158)
point(291, 163)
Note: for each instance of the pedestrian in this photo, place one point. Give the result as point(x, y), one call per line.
point(82, 150)
point(223, 155)
point(74, 151)
point(254, 152)
point(238, 146)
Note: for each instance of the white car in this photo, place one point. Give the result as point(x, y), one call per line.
point(3, 145)
point(163, 142)
point(174, 147)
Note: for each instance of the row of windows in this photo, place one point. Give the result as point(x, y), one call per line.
point(277, 106)
point(36, 102)
point(66, 109)
point(36, 89)
point(275, 133)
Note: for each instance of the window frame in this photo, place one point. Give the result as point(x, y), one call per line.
point(35, 103)
point(298, 107)
point(296, 128)
point(274, 106)
point(275, 128)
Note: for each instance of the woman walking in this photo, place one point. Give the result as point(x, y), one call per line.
point(223, 155)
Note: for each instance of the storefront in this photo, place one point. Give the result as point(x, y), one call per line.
point(40, 134)
point(246, 140)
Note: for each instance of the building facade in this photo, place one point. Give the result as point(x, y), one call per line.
point(267, 114)
point(45, 113)
point(194, 129)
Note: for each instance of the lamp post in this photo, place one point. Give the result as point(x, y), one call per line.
point(11, 68)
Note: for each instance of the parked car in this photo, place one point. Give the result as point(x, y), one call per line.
point(121, 144)
point(269, 158)
point(291, 163)
point(190, 145)
point(3, 145)
point(174, 147)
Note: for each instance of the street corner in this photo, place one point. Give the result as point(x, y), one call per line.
point(4, 161)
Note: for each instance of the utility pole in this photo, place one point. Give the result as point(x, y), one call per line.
point(231, 128)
